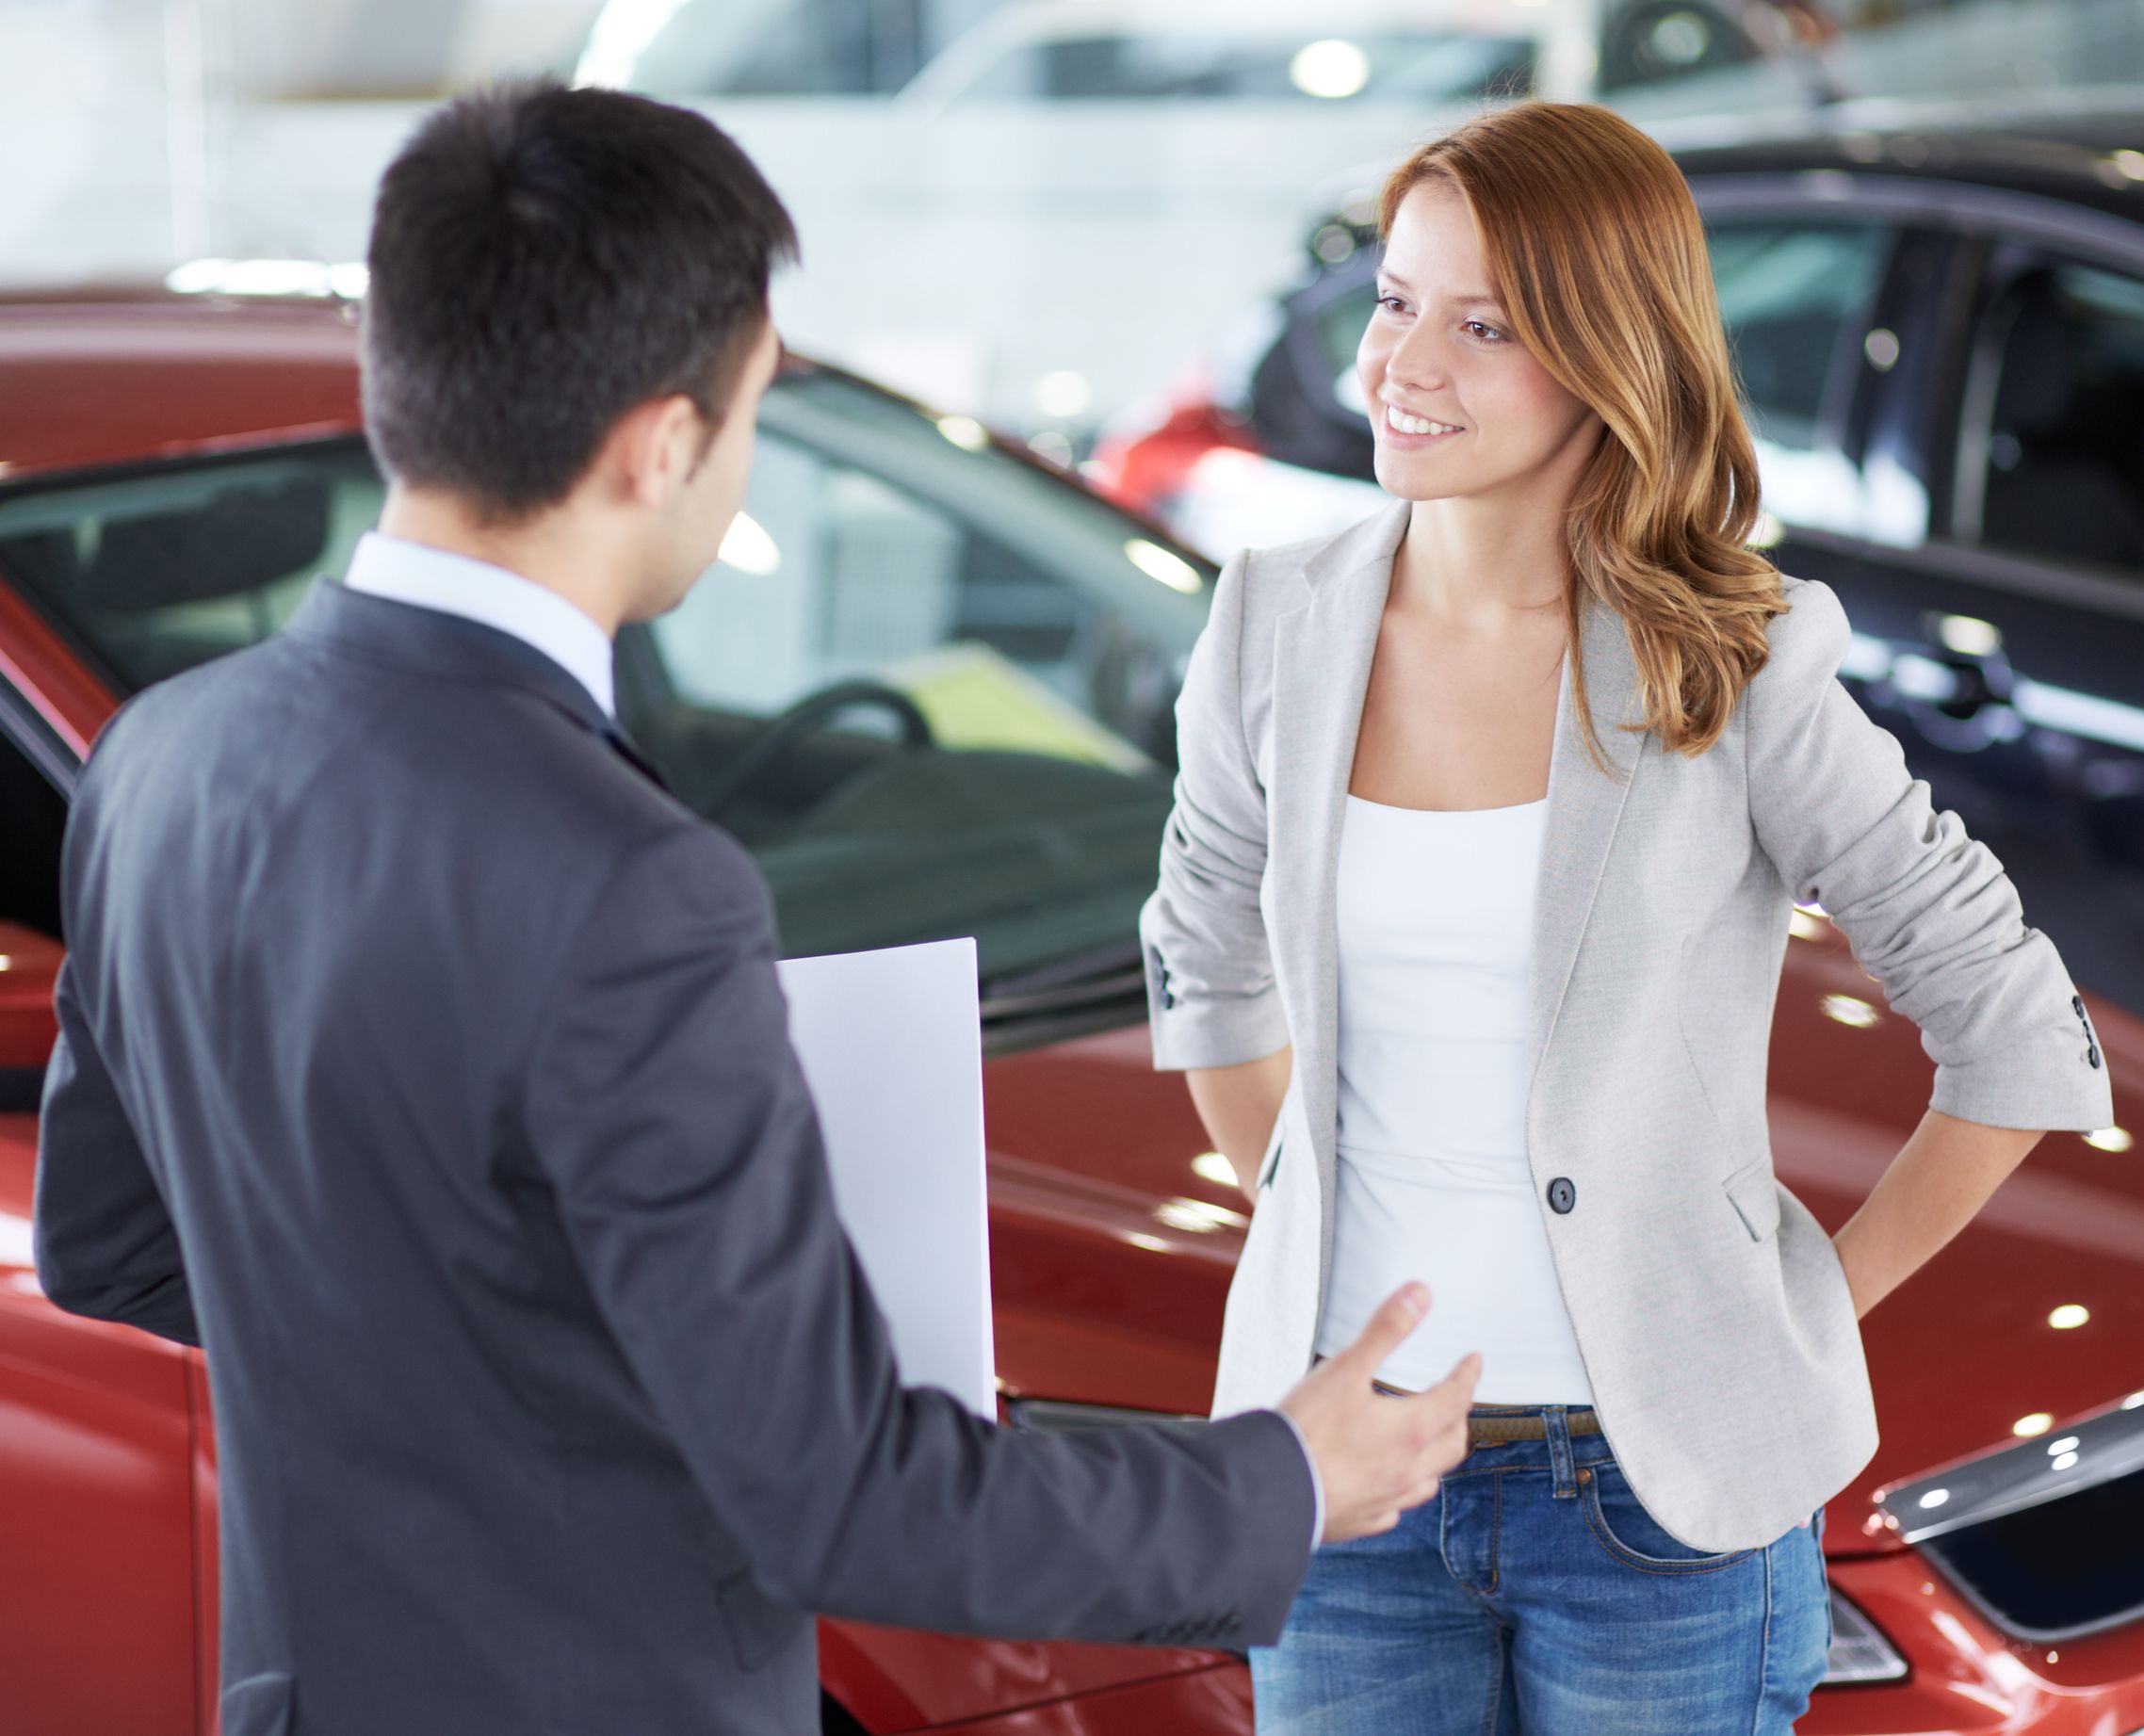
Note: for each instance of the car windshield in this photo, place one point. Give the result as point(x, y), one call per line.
point(928, 684)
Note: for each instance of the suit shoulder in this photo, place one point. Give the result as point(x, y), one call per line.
point(158, 714)
point(688, 868)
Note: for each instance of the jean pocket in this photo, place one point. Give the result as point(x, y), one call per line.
point(1630, 1536)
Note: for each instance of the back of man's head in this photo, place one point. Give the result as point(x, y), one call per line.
point(543, 260)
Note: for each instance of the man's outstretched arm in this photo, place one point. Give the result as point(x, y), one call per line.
point(669, 1109)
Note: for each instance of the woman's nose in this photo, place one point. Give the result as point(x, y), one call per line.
point(1415, 364)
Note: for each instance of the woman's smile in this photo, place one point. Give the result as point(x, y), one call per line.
point(1405, 430)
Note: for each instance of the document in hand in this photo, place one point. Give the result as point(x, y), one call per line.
point(891, 1044)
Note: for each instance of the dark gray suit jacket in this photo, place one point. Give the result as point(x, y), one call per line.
point(426, 1062)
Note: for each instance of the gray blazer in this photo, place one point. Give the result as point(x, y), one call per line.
point(427, 1064)
point(1710, 1307)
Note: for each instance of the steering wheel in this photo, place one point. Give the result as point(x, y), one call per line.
point(805, 718)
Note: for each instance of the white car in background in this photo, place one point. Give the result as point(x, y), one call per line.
point(1051, 212)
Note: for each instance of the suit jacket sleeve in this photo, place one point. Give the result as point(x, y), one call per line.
point(669, 1112)
point(103, 1240)
point(1928, 910)
point(1211, 1001)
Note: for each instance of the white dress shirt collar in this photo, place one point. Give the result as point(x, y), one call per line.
point(406, 572)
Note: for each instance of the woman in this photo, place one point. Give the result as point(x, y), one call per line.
point(1491, 815)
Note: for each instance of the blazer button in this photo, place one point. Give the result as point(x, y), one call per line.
point(1562, 1195)
point(2092, 1055)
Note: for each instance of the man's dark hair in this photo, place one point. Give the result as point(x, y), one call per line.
point(543, 260)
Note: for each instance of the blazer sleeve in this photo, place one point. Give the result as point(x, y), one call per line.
point(101, 1233)
point(671, 1116)
point(1926, 909)
point(1211, 1001)
point(103, 1239)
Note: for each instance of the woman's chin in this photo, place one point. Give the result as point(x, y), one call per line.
point(1404, 481)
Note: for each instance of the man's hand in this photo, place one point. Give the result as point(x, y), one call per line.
point(1378, 1454)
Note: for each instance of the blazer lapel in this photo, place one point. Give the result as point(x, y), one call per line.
point(1322, 655)
point(1323, 651)
point(1584, 806)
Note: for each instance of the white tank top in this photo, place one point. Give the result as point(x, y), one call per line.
point(1435, 915)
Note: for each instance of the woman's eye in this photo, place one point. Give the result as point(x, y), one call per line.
point(1391, 301)
point(1494, 335)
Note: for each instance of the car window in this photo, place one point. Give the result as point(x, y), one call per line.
point(152, 574)
point(33, 819)
point(2049, 462)
point(1003, 652)
point(1796, 299)
point(929, 684)
point(834, 575)
point(1793, 298)
point(1656, 42)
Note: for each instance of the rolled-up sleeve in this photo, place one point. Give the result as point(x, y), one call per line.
point(1210, 997)
point(1928, 910)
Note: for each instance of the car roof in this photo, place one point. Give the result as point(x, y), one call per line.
point(115, 375)
point(2087, 150)
point(104, 376)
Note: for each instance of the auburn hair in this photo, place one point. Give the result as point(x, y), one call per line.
point(1596, 253)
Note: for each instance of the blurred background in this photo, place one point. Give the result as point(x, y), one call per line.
point(1064, 255)
point(1040, 212)
point(1081, 289)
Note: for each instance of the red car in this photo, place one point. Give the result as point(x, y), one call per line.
point(174, 474)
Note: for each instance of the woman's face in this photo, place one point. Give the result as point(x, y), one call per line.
point(1438, 349)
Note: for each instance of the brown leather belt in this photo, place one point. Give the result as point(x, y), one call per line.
point(1488, 1426)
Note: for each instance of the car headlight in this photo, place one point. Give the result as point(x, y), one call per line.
point(2039, 1535)
point(1859, 1651)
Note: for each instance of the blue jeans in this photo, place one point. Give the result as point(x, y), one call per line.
point(1533, 1595)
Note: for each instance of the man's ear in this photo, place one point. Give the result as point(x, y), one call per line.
point(654, 446)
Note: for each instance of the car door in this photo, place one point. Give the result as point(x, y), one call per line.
point(1964, 481)
point(97, 1603)
point(2042, 529)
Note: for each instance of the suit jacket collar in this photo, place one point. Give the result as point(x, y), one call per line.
point(1371, 544)
point(1322, 649)
point(434, 643)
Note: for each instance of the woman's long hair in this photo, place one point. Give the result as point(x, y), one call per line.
point(1597, 251)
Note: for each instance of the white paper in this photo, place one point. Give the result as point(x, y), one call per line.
point(891, 1043)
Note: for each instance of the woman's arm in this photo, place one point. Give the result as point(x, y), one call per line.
point(1240, 1104)
point(1931, 916)
point(1211, 999)
point(1933, 1188)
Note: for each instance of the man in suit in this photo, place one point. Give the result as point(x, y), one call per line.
point(424, 1062)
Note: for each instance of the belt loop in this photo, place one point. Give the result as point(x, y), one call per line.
point(1559, 1450)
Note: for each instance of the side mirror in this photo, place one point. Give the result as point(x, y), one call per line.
point(29, 966)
